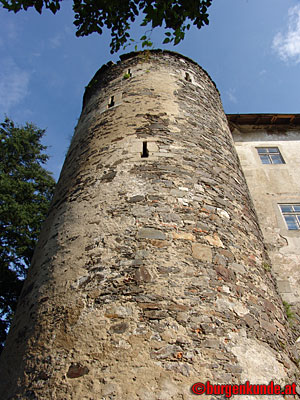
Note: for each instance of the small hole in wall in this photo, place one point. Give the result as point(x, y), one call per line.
point(145, 152)
point(111, 102)
point(187, 77)
point(129, 72)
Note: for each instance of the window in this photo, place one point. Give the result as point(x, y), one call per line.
point(270, 155)
point(145, 152)
point(291, 214)
point(187, 77)
point(111, 102)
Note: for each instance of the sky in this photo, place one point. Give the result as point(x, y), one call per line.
point(251, 50)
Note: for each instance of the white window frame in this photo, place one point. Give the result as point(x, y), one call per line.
point(266, 153)
point(291, 215)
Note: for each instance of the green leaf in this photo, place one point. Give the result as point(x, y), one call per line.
point(177, 40)
point(118, 15)
point(53, 7)
point(147, 43)
point(38, 5)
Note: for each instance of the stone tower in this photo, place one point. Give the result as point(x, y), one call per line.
point(151, 272)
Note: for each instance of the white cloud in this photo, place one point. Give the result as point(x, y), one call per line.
point(287, 45)
point(8, 33)
point(11, 30)
point(56, 41)
point(68, 30)
point(13, 84)
point(231, 95)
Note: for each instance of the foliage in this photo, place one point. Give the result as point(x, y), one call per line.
point(267, 267)
point(26, 189)
point(289, 313)
point(116, 15)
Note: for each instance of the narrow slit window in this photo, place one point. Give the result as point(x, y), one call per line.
point(111, 102)
point(187, 77)
point(129, 72)
point(145, 152)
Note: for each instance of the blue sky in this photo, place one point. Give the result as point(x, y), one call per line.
point(251, 49)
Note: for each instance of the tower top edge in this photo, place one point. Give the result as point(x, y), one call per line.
point(135, 54)
point(175, 54)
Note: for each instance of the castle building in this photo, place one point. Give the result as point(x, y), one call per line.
point(268, 146)
point(153, 268)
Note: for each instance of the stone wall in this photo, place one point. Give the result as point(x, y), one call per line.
point(150, 271)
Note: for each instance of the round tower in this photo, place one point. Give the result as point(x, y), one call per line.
point(150, 274)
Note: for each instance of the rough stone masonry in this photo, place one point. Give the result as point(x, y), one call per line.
point(151, 272)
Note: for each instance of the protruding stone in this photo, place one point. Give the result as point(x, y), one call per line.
point(183, 236)
point(202, 252)
point(109, 176)
point(223, 213)
point(238, 268)
point(119, 328)
point(166, 352)
point(143, 275)
point(227, 254)
point(151, 233)
point(135, 199)
point(160, 243)
point(240, 309)
point(214, 240)
point(226, 273)
point(267, 326)
point(77, 370)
